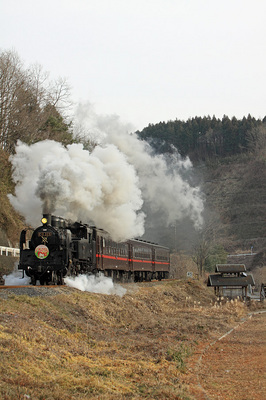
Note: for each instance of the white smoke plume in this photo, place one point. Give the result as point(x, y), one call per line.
point(95, 284)
point(99, 187)
point(163, 186)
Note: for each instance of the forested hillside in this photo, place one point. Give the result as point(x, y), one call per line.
point(204, 138)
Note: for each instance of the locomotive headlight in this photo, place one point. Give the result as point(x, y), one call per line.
point(44, 221)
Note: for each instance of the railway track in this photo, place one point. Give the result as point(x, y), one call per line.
point(2, 287)
point(30, 286)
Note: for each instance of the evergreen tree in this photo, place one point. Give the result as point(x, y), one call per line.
point(202, 138)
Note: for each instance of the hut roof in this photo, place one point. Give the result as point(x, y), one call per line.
point(240, 281)
point(230, 268)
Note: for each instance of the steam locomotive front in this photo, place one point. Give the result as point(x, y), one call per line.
point(46, 259)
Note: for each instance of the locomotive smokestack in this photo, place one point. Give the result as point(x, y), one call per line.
point(49, 218)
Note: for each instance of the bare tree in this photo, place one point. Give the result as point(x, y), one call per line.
point(11, 82)
point(55, 93)
point(201, 253)
point(31, 106)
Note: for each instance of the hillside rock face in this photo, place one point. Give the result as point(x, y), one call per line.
point(255, 264)
point(4, 239)
point(236, 203)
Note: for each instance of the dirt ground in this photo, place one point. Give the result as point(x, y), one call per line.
point(232, 367)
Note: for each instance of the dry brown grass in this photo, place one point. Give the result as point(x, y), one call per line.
point(76, 345)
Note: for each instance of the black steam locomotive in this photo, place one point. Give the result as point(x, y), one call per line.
point(59, 247)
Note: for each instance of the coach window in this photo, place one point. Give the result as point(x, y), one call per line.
point(162, 256)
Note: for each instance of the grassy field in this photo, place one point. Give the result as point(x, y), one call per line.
point(61, 344)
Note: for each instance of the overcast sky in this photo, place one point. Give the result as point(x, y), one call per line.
point(147, 60)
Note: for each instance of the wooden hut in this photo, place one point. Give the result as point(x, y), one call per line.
point(230, 280)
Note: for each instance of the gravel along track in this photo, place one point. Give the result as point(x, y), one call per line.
point(34, 291)
point(234, 366)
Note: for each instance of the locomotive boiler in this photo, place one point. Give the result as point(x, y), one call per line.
point(60, 247)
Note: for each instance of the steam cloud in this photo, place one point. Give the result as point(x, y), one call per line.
point(15, 278)
point(95, 284)
point(107, 186)
point(162, 179)
point(98, 186)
